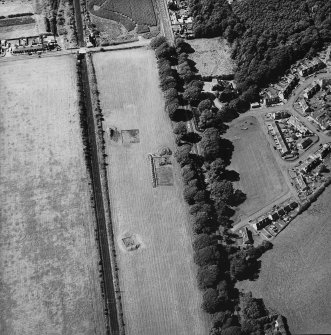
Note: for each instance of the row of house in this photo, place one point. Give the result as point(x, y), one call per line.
point(308, 67)
point(299, 126)
point(285, 91)
point(275, 216)
point(281, 144)
point(310, 90)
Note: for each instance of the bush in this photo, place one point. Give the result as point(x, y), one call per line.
point(171, 108)
point(207, 276)
point(201, 207)
point(210, 301)
point(163, 51)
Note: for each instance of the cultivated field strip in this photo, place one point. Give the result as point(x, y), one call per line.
point(157, 281)
point(48, 254)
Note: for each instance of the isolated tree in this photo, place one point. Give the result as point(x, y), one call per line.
point(207, 276)
point(210, 301)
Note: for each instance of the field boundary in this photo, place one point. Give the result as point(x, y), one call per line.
point(100, 148)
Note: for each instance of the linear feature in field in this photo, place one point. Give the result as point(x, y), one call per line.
point(48, 254)
point(156, 271)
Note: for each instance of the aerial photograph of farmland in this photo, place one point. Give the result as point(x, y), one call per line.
point(165, 167)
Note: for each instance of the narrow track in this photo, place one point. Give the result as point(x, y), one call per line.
point(108, 284)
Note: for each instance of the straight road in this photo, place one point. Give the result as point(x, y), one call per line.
point(109, 289)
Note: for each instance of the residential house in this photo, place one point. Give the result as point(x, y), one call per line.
point(309, 67)
point(292, 81)
point(323, 118)
point(305, 143)
point(304, 106)
point(281, 115)
point(311, 90)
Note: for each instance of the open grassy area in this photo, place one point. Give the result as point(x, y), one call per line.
point(157, 280)
point(49, 280)
point(295, 275)
point(260, 176)
point(212, 56)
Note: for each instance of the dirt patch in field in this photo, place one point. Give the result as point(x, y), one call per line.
point(212, 56)
point(295, 275)
point(260, 176)
point(158, 285)
point(48, 254)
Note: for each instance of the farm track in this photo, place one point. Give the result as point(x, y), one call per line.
point(108, 285)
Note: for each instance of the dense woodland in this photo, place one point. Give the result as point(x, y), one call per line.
point(267, 35)
point(211, 197)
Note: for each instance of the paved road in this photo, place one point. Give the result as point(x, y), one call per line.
point(165, 22)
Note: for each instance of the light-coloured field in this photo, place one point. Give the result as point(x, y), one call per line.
point(295, 275)
point(212, 56)
point(158, 284)
point(48, 256)
point(260, 176)
point(22, 30)
point(8, 7)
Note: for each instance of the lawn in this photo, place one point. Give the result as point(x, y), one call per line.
point(295, 275)
point(48, 254)
point(260, 176)
point(212, 56)
point(158, 285)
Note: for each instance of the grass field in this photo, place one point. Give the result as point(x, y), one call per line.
point(295, 275)
point(212, 56)
point(48, 256)
point(260, 176)
point(158, 285)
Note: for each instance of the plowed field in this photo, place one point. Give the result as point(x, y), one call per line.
point(49, 280)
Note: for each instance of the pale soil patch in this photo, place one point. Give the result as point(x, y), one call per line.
point(158, 280)
point(295, 275)
point(260, 176)
point(212, 56)
point(48, 255)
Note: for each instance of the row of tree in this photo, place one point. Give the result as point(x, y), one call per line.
point(207, 189)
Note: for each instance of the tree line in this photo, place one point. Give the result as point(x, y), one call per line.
point(208, 190)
